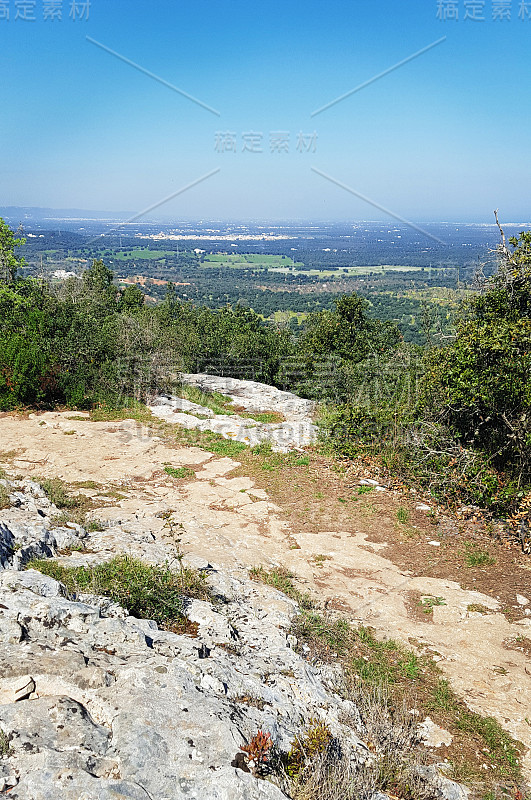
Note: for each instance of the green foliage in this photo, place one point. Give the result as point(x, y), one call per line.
point(336, 348)
point(402, 515)
point(222, 447)
point(428, 603)
point(482, 381)
point(146, 590)
point(87, 343)
point(10, 263)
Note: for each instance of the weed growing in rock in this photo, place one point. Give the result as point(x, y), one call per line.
point(146, 590)
point(258, 752)
point(57, 492)
point(4, 497)
point(477, 608)
point(4, 744)
point(282, 579)
point(304, 749)
point(428, 603)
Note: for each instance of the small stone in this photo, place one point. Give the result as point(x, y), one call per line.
point(15, 689)
point(433, 735)
point(434, 543)
point(521, 600)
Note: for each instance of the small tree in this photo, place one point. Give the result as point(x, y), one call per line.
point(10, 263)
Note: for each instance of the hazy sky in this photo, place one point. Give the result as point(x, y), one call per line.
point(445, 136)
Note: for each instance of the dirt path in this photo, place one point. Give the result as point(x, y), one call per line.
point(349, 550)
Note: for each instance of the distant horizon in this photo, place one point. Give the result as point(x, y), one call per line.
point(94, 215)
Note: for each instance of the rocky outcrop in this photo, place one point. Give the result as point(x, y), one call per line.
point(295, 432)
point(97, 704)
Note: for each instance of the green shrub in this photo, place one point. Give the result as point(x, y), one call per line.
point(304, 749)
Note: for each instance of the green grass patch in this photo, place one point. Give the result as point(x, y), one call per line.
point(57, 493)
point(402, 515)
point(283, 580)
point(365, 489)
point(145, 590)
point(130, 410)
point(475, 556)
point(215, 401)
point(266, 417)
point(179, 472)
point(220, 446)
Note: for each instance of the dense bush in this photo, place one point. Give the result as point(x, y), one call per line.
point(482, 381)
point(457, 419)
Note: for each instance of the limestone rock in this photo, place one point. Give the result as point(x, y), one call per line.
point(295, 432)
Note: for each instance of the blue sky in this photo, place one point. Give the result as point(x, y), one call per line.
point(447, 136)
